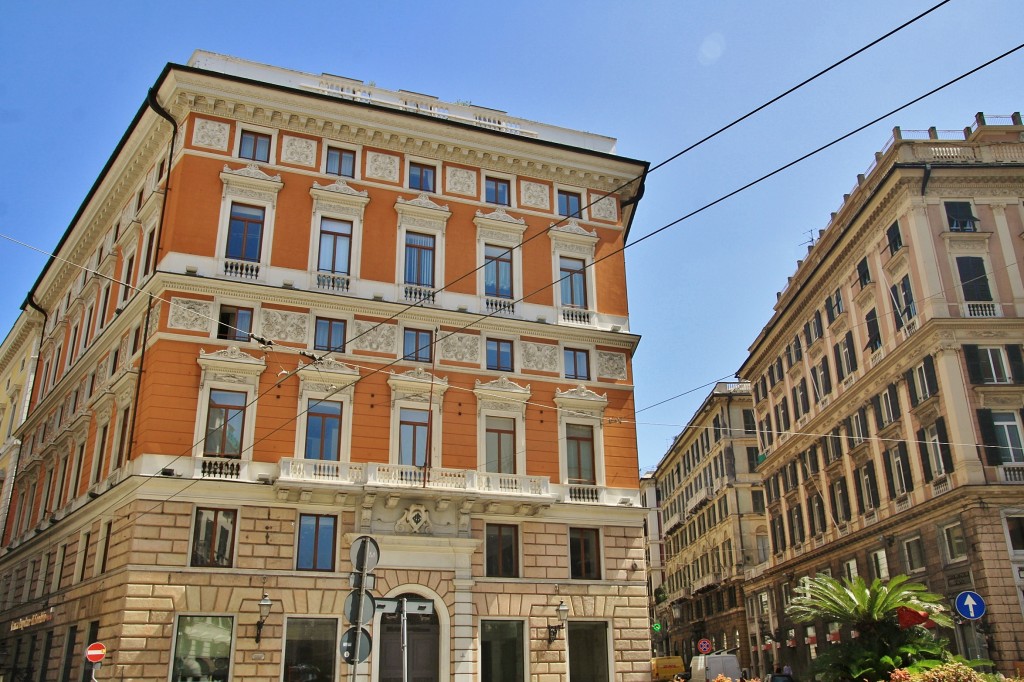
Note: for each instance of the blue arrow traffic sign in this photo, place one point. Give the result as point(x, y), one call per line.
point(969, 605)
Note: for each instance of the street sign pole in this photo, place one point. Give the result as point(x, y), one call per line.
point(405, 644)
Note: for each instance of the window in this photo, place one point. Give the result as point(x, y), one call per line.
point(960, 216)
point(234, 324)
point(225, 424)
point(913, 551)
point(502, 651)
point(323, 430)
point(421, 177)
point(894, 238)
point(874, 335)
point(316, 543)
point(973, 278)
point(309, 649)
point(956, 546)
point(254, 146)
point(245, 232)
point(213, 538)
point(126, 285)
point(418, 345)
point(497, 191)
point(858, 427)
point(341, 162)
point(573, 282)
point(757, 501)
point(817, 515)
point(329, 335)
point(840, 500)
point(867, 488)
point(569, 204)
point(897, 471)
point(986, 364)
point(1008, 437)
point(880, 565)
point(933, 459)
point(502, 548)
point(588, 651)
point(863, 273)
point(903, 308)
point(850, 569)
point(205, 639)
point(821, 380)
point(497, 271)
point(499, 355)
point(579, 448)
point(584, 554)
point(577, 364)
point(412, 437)
point(834, 306)
point(500, 439)
point(846, 356)
point(749, 425)
point(419, 259)
point(335, 246)
point(1015, 526)
point(922, 382)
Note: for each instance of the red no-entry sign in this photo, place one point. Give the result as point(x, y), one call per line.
point(95, 652)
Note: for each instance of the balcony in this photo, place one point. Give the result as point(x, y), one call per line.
point(241, 269)
point(222, 468)
point(374, 474)
point(414, 293)
point(1011, 473)
point(699, 498)
point(978, 309)
point(576, 316)
point(706, 581)
point(499, 306)
point(328, 281)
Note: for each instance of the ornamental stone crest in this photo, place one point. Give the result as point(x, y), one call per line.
point(285, 326)
point(341, 187)
point(540, 356)
point(611, 365)
point(423, 201)
point(581, 392)
point(461, 348)
point(500, 214)
point(298, 150)
point(460, 181)
point(373, 337)
point(210, 134)
point(535, 195)
point(503, 384)
point(188, 313)
point(251, 170)
point(416, 520)
point(382, 166)
point(232, 353)
point(572, 226)
point(604, 209)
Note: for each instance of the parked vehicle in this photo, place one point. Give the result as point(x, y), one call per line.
point(665, 668)
point(705, 668)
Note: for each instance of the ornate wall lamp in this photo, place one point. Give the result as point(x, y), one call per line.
point(265, 605)
point(563, 616)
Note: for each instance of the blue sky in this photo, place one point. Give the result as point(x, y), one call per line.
point(656, 75)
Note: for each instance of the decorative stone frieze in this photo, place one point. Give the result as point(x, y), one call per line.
point(190, 314)
point(581, 402)
point(460, 348)
point(339, 198)
point(298, 150)
point(417, 385)
point(604, 208)
point(611, 365)
point(280, 325)
point(502, 395)
point(535, 195)
point(210, 134)
point(251, 183)
point(540, 356)
point(378, 338)
point(460, 181)
point(382, 166)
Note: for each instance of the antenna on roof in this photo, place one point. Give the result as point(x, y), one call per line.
point(810, 239)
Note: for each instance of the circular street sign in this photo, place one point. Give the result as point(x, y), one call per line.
point(704, 646)
point(355, 645)
point(969, 605)
point(365, 553)
point(656, 627)
point(352, 605)
point(95, 652)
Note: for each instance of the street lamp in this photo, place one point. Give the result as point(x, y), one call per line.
point(265, 604)
point(563, 616)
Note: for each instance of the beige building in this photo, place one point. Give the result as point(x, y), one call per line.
point(313, 309)
point(18, 355)
point(889, 388)
point(712, 515)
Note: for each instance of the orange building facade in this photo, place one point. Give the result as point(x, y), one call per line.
point(296, 309)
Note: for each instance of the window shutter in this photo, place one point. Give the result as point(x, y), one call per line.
point(947, 454)
point(869, 470)
point(897, 313)
point(849, 432)
point(993, 456)
point(922, 447)
point(904, 462)
point(973, 278)
point(857, 489)
point(853, 351)
point(826, 377)
point(908, 295)
point(973, 361)
point(805, 405)
point(796, 404)
point(929, 375)
point(844, 494)
point(839, 361)
point(894, 401)
point(890, 482)
point(876, 403)
point(807, 333)
point(864, 421)
point(812, 459)
point(834, 503)
point(911, 387)
point(1016, 363)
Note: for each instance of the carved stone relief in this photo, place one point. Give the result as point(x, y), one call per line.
point(372, 337)
point(535, 195)
point(461, 348)
point(460, 181)
point(187, 313)
point(611, 365)
point(285, 326)
point(604, 209)
point(416, 520)
point(210, 134)
point(540, 356)
point(298, 150)
point(154, 319)
point(382, 166)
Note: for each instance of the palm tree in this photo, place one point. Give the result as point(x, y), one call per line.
point(886, 641)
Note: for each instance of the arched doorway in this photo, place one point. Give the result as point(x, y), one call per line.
point(424, 644)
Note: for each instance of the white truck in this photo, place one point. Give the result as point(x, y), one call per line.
point(706, 667)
